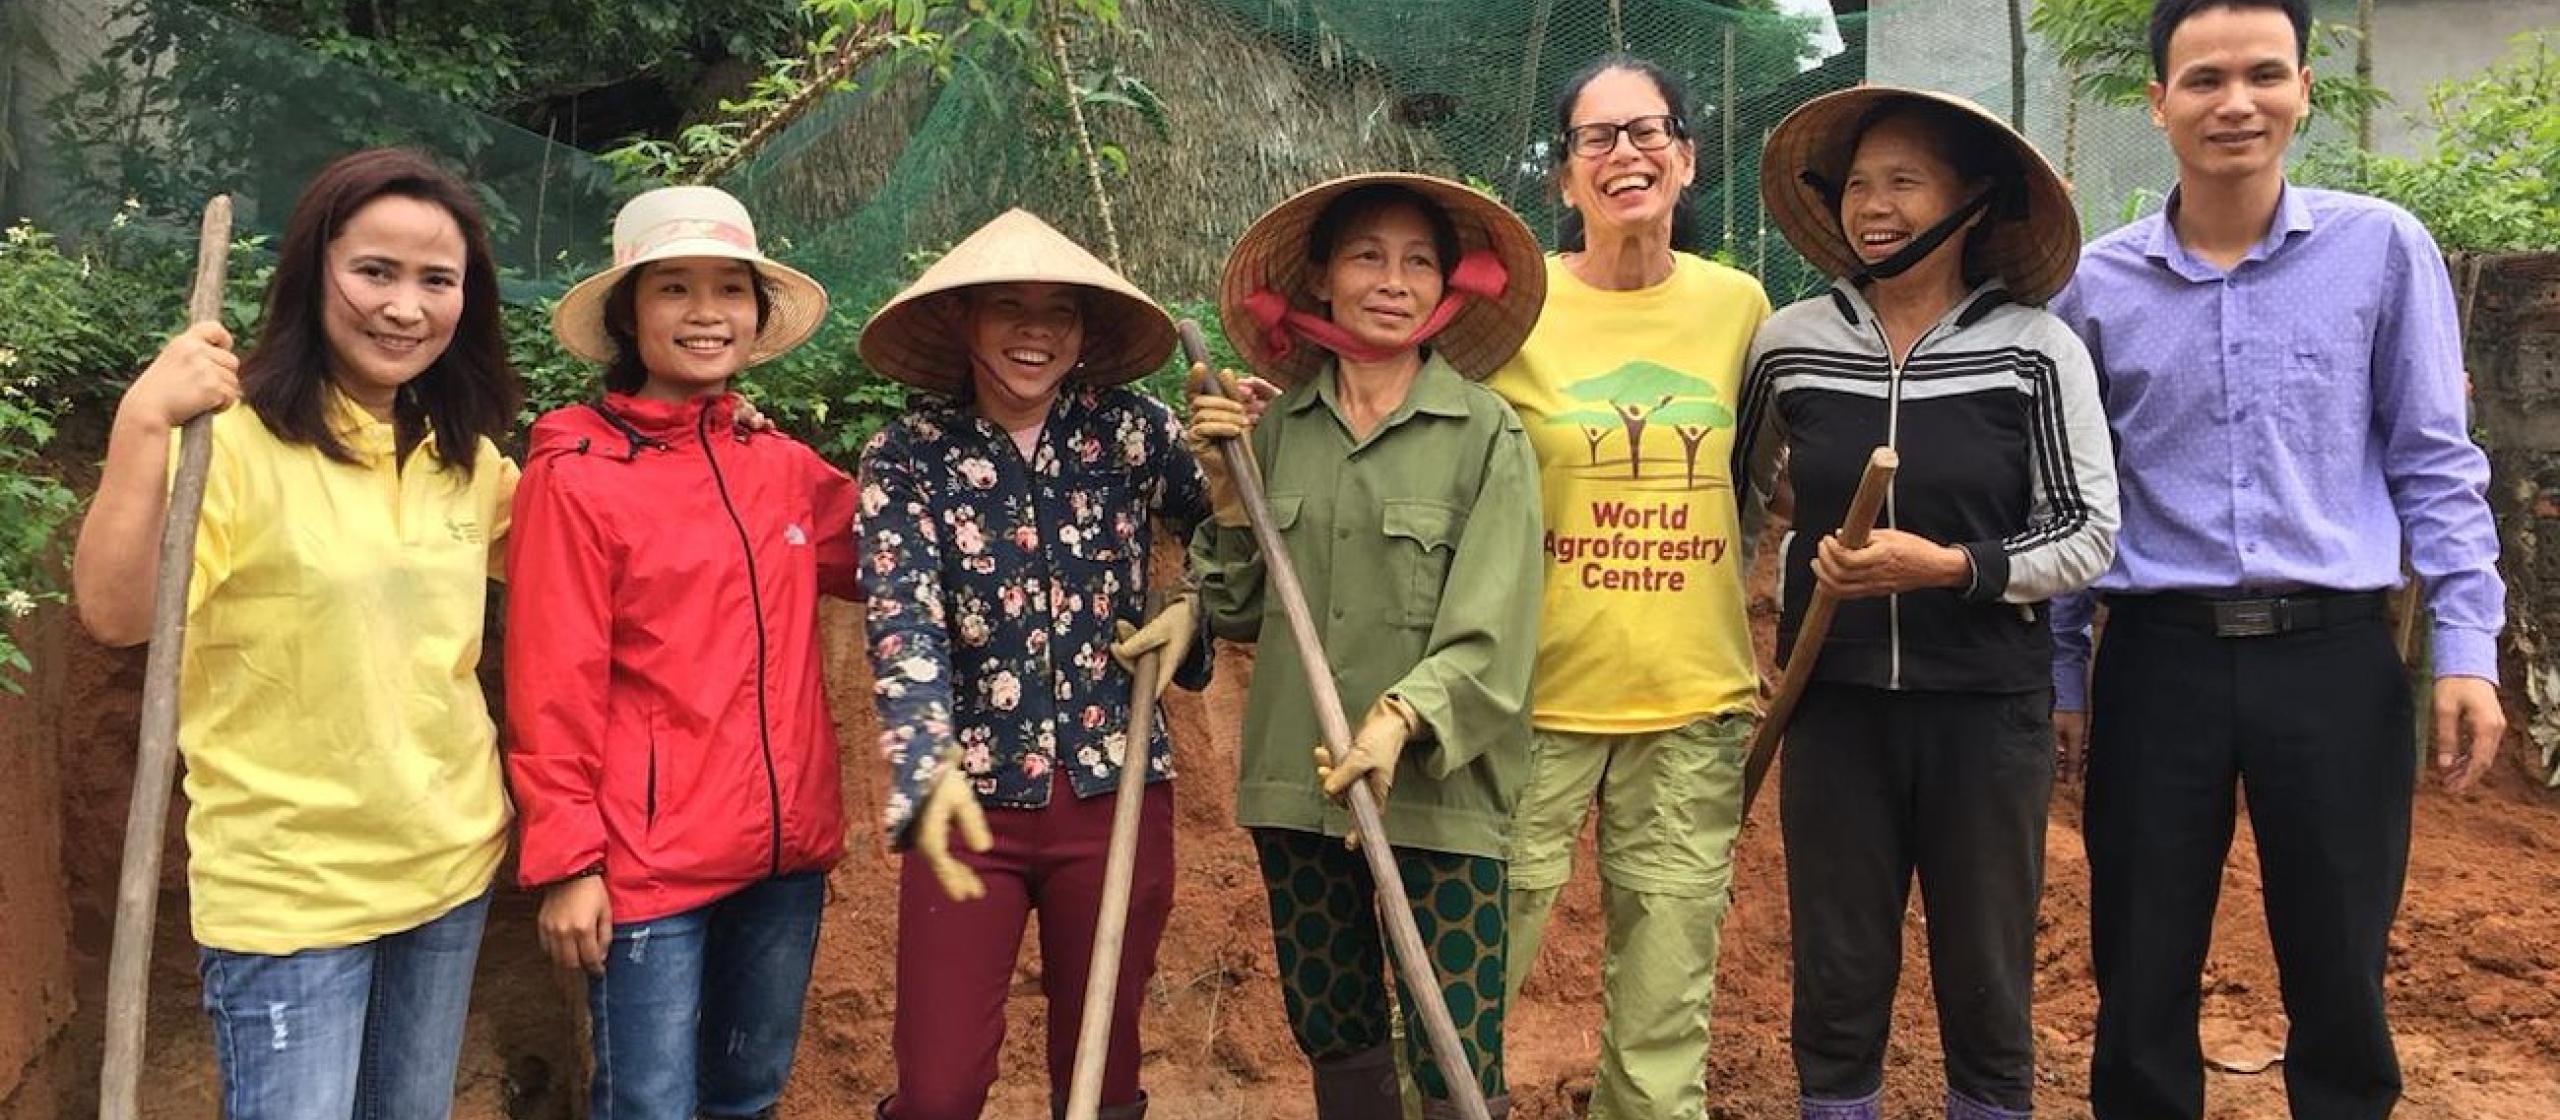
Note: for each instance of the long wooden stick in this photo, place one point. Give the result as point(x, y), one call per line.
point(1120, 865)
point(138, 889)
point(1421, 977)
point(1881, 463)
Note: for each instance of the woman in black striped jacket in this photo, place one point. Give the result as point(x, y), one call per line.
point(1924, 742)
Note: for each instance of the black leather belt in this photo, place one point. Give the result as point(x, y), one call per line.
point(2250, 618)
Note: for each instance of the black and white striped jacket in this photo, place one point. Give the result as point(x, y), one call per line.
point(2005, 454)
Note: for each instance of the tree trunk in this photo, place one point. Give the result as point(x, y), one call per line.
point(2018, 65)
point(2364, 73)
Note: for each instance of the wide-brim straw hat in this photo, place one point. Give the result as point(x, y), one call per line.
point(921, 337)
point(1272, 256)
point(673, 222)
point(2030, 237)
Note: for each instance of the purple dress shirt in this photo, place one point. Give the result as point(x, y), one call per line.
point(2282, 425)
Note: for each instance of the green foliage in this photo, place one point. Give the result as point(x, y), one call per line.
point(899, 35)
point(492, 54)
point(2106, 44)
point(82, 319)
point(2489, 180)
point(185, 104)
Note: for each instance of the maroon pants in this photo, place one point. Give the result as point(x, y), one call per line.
point(955, 959)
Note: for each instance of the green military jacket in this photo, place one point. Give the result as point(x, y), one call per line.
point(1419, 548)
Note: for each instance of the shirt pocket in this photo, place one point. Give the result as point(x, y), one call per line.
point(2321, 396)
point(1422, 540)
point(1104, 541)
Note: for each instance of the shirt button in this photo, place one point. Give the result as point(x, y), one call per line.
point(2233, 348)
point(2251, 548)
point(1342, 534)
point(2245, 483)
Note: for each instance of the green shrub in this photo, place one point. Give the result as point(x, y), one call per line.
point(2489, 179)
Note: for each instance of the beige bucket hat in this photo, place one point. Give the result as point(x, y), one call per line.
point(1500, 275)
point(2030, 237)
point(920, 338)
point(672, 222)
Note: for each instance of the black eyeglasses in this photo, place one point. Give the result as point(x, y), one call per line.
point(1648, 134)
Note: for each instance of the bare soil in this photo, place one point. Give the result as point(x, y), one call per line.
point(2475, 969)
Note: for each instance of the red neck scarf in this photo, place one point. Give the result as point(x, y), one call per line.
point(1478, 275)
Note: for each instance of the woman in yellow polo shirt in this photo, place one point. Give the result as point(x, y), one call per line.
point(346, 811)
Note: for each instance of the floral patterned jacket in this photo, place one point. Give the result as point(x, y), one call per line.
point(993, 583)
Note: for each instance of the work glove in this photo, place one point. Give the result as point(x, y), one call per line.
point(1374, 750)
point(1168, 634)
point(1215, 418)
point(950, 803)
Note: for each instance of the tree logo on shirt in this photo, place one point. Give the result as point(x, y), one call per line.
point(1639, 396)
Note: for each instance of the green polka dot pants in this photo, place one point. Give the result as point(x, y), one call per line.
point(1333, 956)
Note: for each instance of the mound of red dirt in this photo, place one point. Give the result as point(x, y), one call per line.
point(2475, 967)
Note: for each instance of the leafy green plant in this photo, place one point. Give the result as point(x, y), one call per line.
point(2106, 45)
point(846, 35)
point(2489, 179)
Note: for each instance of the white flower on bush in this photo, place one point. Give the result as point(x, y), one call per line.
point(8, 357)
point(18, 603)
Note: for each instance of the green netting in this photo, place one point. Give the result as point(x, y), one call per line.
point(1213, 109)
point(165, 104)
point(1247, 100)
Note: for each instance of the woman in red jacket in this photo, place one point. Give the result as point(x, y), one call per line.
point(673, 760)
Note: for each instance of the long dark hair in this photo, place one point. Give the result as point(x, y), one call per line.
point(1685, 234)
point(625, 374)
point(467, 394)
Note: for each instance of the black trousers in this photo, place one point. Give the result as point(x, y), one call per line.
point(2315, 727)
point(1877, 785)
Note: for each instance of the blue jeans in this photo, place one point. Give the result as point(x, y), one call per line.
point(370, 1031)
point(699, 1012)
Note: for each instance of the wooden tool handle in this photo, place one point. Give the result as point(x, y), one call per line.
point(1421, 978)
point(1863, 508)
point(155, 766)
point(1119, 869)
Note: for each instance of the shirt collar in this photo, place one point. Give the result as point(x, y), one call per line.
point(359, 431)
point(1437, 390)
point(1851, 301)
point(2293, 215)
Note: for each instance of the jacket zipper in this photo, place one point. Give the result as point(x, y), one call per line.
point(650, 807)
point(1892, 518)
point(755, 600)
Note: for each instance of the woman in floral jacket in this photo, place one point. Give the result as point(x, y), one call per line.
point(1005, 524)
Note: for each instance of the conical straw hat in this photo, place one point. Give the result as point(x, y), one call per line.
point(1272, 257)
point(921, 337)
point(2030, 237)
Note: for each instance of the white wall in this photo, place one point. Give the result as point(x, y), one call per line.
point(2418, 43)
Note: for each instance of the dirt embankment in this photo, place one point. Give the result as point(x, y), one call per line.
point(2475, 967)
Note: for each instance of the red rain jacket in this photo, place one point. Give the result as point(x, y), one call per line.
point(667, 715)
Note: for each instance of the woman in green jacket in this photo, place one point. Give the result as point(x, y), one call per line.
point(1407, 497)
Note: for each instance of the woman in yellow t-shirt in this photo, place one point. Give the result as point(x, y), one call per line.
point(1646, 689)
point(346, 811)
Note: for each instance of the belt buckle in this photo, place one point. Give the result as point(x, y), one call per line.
point(2244, 618)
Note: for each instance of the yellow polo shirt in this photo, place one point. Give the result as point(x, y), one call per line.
point(342, 771)
point(1630, 399)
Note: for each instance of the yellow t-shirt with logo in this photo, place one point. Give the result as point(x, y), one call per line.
point(343, 779)
point(1630, 399)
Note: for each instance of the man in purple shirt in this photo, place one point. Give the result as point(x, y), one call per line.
point(2283, 373)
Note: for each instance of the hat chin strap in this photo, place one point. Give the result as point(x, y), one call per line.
point(1923, 245)
point(1479, 275)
